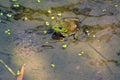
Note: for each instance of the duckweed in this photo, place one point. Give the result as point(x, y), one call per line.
point(81, 53)
point(52, 65)
point(59, 14)
point(64, 46)
point(38, 1)
point(1, 13)
point(16, 5)
point(8, 31)
point(52, 17)
point(49, 11)
point(9, 15)
point(47, 23)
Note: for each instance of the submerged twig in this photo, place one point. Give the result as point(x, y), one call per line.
point(48, 46)
point(20, 76)
point(97, 51)
point(8, 68)
point(105, 59)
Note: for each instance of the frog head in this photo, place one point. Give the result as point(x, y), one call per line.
point(60, 26)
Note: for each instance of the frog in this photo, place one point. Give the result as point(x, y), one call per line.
point(66, 27)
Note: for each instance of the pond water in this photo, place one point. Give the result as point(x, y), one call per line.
point(26, 30)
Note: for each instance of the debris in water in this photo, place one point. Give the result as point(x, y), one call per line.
point(118, 53)
point(117, 62)
point(47, 46)
point(14, 0)
point(8, 68)
point(20, 76)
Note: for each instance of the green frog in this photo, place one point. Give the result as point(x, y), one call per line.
point(65, 27)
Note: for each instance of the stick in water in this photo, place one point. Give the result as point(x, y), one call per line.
point(8, 68)
point(20, 76)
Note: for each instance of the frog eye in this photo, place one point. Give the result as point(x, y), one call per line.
point(60, 27)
